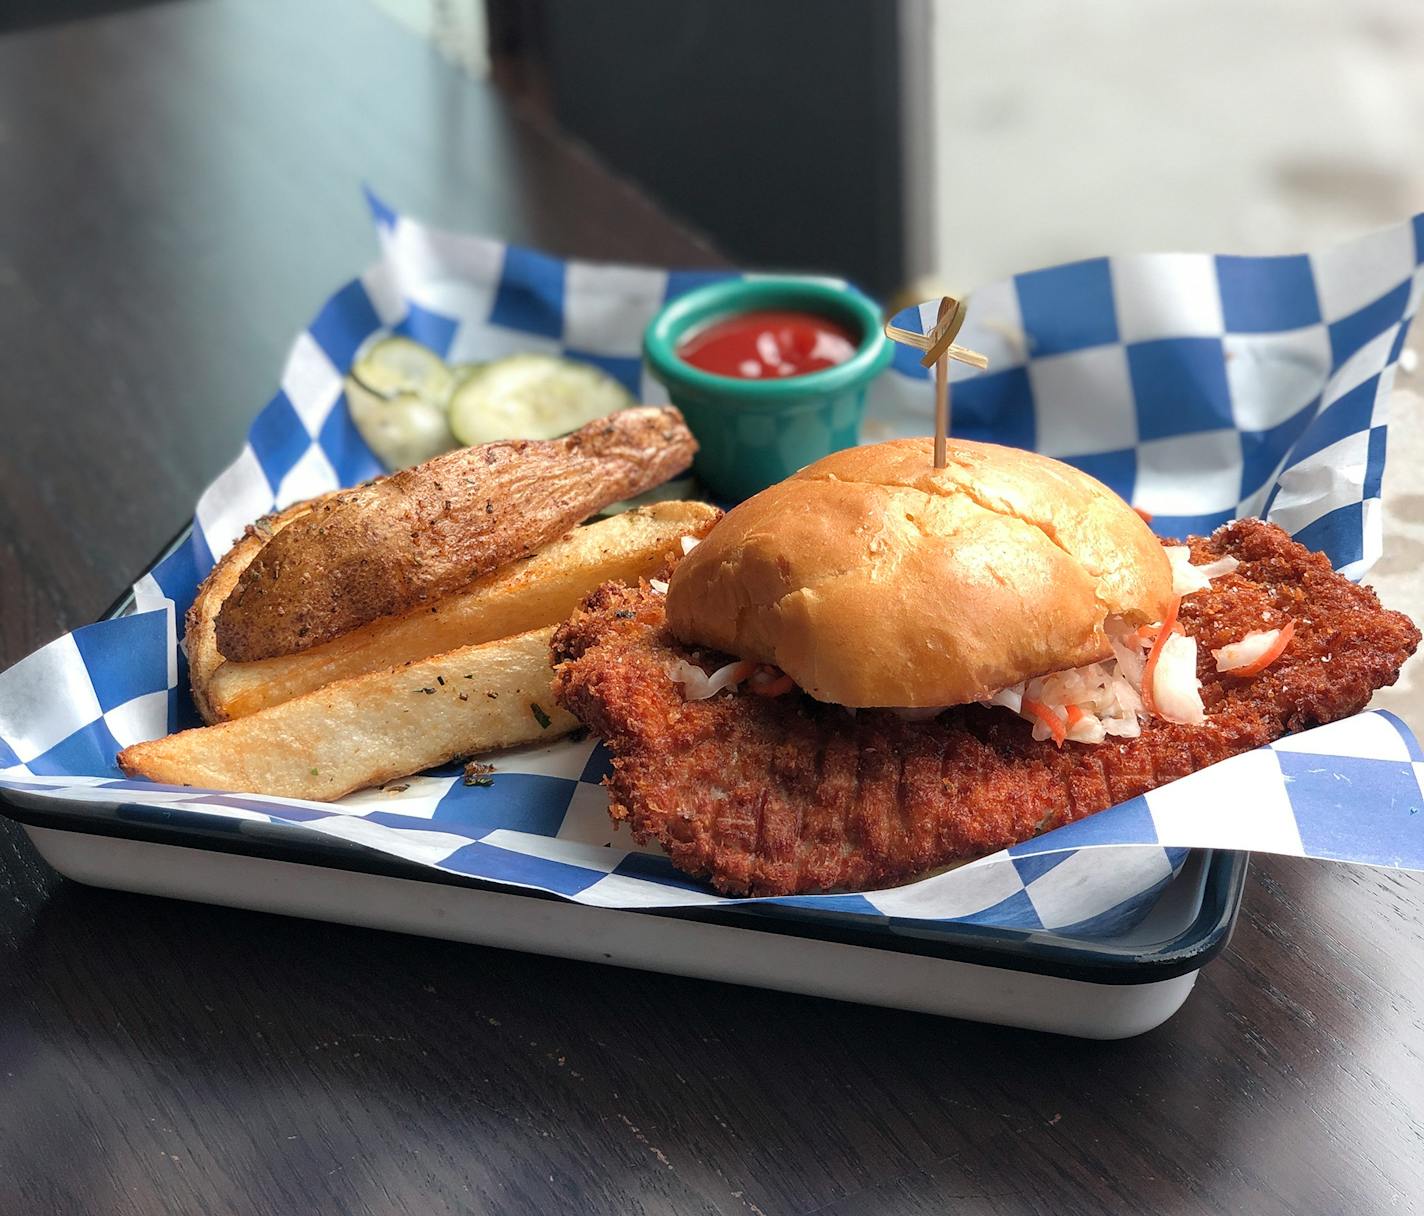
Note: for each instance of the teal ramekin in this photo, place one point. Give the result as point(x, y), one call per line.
point(754, 433)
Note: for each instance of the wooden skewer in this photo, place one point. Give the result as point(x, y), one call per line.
point(948, 309)
point(939, 347)
point(947, 326)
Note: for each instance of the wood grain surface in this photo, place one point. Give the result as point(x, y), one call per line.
point(178, 192)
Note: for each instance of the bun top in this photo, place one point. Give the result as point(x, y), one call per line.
point(874, 579)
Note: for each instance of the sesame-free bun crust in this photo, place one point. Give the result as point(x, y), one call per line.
point(874, 579)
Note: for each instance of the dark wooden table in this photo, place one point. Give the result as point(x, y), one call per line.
point(178, 191)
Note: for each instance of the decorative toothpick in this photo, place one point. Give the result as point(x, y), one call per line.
point(939, 347)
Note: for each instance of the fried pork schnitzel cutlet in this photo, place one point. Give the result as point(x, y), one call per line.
point(783, 795)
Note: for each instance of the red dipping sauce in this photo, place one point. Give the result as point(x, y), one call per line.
point(768, 345)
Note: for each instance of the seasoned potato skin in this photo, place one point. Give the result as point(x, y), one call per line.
point(398, 541)
point(541, 590)
point(199, 634)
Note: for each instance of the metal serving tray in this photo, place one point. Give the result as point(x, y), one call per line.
point(1103, 988)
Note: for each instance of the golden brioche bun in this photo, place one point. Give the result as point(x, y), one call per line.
point(874, 579)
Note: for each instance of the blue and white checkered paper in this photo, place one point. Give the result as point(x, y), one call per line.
point(1199, 387)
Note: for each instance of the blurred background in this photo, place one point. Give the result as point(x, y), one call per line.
point(912, 144)
point(918, 143)
point(992, 138)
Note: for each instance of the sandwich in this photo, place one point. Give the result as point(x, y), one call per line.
point(877, 668)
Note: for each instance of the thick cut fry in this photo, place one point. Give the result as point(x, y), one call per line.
point(370, 729)
point(200, 641)
point(403, 541)
point(543, 590)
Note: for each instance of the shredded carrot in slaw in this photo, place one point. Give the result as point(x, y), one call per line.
point(1168, 627)
point(1050, 721)
point(1278, 648)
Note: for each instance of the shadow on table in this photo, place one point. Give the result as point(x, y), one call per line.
point(296, 1062)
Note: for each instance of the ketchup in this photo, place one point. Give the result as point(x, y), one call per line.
point(768, 345)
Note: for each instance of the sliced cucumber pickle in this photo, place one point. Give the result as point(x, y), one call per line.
point(402, 430)
point(391, 366)
point(532, 396)
point(463, 371)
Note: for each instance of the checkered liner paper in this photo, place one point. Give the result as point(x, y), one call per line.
point(1199, 387)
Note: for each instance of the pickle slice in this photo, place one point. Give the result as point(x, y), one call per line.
point(532, 396)
point(391, 366)
point(402, 430)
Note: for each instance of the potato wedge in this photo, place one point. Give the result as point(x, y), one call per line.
point(200, 641)
point(542, 590)
point(370, 729)
point(402, 541)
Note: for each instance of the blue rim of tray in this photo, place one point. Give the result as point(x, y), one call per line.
point(1220, 873)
